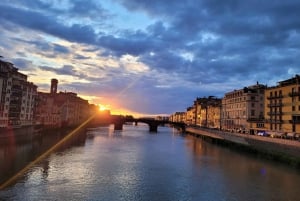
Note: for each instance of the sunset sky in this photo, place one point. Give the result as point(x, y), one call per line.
point(151, 57)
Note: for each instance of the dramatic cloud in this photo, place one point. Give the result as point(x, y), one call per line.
point(151, 56)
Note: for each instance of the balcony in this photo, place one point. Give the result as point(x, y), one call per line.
point(255, 120)
point(274, 97)
point(273, 121)
point(294, 121)
point(274, 113)
point(295, 93)
point(275, 105)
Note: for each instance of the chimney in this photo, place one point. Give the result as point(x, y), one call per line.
point(53, 89)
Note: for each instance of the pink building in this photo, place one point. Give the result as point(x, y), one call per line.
point(61, 109)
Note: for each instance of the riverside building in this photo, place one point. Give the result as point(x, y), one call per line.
point(63, 109)
point(207, 112)
point(178, 117)
point(243, 109)
point(190, 115)
point(17, 97)
point(282, 108)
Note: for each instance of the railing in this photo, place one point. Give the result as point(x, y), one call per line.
point(256, 119)
point(273, 121)
point(296, 93)
point(294, 121)
point(275, 105)
point(274, 97)
point(274, 113)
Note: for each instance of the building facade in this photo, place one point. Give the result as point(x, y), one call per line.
point(190, 115)
point(17, 97)
point(282, 109)
point(63, 109)
point(208, 110)
point(243, 109)
point(178, 117)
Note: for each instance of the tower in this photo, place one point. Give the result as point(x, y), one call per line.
point(53, 89)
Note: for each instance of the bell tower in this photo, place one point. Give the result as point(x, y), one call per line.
point(53, 89)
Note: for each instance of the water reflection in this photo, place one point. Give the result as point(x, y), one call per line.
point(135, 165)
point(243, 176)
point(15, 155)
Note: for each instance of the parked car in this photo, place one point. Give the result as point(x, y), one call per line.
point(277, 134)
point(290, 135)
point(262, 133)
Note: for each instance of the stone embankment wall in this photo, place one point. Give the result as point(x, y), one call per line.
point(285, 149)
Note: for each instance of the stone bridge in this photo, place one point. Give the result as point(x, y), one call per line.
point(119, 121)
point(153, 124)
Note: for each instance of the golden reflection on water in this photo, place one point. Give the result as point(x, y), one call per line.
point(45, 154)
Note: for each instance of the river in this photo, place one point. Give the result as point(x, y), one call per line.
point(134, 164)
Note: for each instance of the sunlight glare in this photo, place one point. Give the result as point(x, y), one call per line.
point(103, 107)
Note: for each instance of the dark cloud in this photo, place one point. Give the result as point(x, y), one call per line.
point(40, 22)
point(88, 9)
point(64, 70)
point(23, 64)
point(60, 49)
point(210, 46)
point(135, 43)
point(165, 60)
point(80, 57)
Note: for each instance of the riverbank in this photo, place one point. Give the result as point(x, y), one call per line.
point(28, 133)
point(283, 150)
point(40, 147)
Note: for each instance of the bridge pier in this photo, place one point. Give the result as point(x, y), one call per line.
point(153, 127)
point(118, 126)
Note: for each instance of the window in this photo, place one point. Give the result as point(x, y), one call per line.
point(293, 94)
point(260, 125)
point(252, 112)
point(293, 108)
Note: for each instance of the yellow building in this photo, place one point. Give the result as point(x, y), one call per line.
point(214, 116)
point(190, 116)
point(243, 109)
point(207, 112)
point(178, 117)
point(282, 108)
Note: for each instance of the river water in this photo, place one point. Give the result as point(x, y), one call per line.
point(134, 164)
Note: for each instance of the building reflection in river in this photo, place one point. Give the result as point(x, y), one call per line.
point(233, 168)
point(14, 156)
